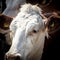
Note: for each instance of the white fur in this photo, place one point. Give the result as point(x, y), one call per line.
point(25, 42)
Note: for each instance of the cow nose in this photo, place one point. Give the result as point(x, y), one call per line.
point(13, 57)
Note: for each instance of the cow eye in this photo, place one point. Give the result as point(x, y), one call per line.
point(6, 25)
point(34, 31)
point(52, 24)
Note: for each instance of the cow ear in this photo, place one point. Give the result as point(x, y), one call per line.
point(5, 21)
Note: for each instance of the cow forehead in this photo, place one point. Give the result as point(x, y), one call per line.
point(23, 21)
point(30, 14)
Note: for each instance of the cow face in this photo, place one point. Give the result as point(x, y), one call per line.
point(28, 34)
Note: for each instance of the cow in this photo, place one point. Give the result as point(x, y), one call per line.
point(5, 41)
point(4, 26)
point(28, 32)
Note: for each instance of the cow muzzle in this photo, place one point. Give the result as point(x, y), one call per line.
point(13, 57)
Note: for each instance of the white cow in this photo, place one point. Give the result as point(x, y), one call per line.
point(28, 34)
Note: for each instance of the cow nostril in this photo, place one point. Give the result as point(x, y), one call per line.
point(18, 58)
point(12, 57)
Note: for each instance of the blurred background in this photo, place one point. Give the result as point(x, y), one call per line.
point(2, 5)
point(54, 3)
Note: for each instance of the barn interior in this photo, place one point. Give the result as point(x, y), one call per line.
point(52, 44)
